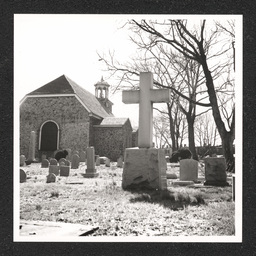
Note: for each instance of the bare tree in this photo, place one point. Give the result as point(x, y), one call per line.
point(202, 46)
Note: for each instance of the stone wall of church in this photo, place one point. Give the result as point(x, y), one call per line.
point(112, 141)
point(67, 112)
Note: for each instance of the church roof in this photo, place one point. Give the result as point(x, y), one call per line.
point(64, 85)
point(113, 121)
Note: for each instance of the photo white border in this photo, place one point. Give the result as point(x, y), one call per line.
point(237, 238)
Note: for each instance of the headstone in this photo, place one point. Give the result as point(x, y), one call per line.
point(82, 156)
point(45, 163)
point(23, 176)
point(64, 171)
point(75, 161)
point(119, 162)
point(215, 171)
point(32, 147)
point(90, 171)
point(188, 170)
point(54, 169)
point(76, 153)
point(62, 161)
point(107, 162)
point(97, 160)
point(68, 163)
point(145, 166)
point(102, 159)
point(22, 160)
point(53, 161)
point(51, 177)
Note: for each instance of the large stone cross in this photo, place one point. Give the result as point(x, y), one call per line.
point(146, 96)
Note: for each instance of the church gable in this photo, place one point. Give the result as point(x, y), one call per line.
point(64, 86)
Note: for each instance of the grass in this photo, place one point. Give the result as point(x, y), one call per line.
point(101, 202)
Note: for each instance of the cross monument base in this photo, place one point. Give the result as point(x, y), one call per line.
point(144, 168)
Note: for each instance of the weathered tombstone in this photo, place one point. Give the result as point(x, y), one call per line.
point(54, 169)
point(76, 153)
point(188, 170)
point(62, 161)
point(97, 160)
point(215, 171)
point(32, 147)
point(75, 161)
point(145, 167)
point(82, 156)
point(64, 171)
point(107, 162)
point(90, 171)
point(119, 162)
point(45, 163)
point(22, 160)
point(51, 177)
point(23, 176)
point(53, 161)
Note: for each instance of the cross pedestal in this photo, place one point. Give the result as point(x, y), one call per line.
point(145, 167)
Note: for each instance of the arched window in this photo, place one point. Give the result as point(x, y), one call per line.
point(49, 136)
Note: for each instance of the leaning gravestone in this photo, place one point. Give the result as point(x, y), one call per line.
point(53, 161)
point(215, 171)
point(23, 176)
point(45, 163)
point(22, 160)
point(51, 177)
point(75, 161)
point(188, 170)
point(90, 171)
point(64, 171)
point(54, 169)
point(145, 167)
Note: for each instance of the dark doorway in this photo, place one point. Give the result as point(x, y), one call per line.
point(49, 137)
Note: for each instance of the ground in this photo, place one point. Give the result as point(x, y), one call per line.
point(102, 203)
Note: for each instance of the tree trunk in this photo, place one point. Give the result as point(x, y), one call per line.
point(191, 138)
point(228, 151)
point(227, 138)
point(172, 128)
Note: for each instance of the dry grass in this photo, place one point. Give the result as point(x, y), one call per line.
point(101, 201)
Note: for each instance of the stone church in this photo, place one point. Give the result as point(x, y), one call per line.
point(66, 116)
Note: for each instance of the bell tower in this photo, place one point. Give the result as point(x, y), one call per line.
point(102, 94)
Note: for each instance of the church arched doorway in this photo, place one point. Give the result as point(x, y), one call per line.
point(49, 136)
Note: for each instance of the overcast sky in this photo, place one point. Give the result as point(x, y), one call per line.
point(48, 46)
